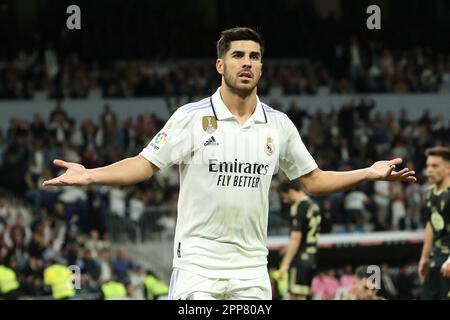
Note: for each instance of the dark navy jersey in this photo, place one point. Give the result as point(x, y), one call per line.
point(438, 214)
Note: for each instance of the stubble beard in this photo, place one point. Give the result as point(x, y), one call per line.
point(231, 83)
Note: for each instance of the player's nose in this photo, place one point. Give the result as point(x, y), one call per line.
point(247, 62)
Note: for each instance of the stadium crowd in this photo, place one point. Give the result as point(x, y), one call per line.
point(31, 242)
point(351, 137)
point(354, 67)
point(70, 224)
point(396, 283)
point(40, 227)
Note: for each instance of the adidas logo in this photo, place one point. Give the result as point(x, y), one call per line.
point(211, 142)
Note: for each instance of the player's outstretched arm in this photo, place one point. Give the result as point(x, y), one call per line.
point(325, 182)
point(124, 172)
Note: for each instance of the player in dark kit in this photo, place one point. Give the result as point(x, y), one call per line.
point(300, 257)
point(434, 265)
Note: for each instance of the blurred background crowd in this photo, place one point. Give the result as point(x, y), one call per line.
point(145, 50)
point(356, 66)
point(72, 223)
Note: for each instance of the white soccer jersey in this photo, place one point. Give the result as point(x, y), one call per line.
point(225, 174)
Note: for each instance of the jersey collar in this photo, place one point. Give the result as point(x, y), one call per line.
point(221, 111)
point(437, 193)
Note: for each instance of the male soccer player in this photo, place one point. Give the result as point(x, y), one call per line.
point(434, 264)
point(227, 146)
point(362, 288)
point(302, 249)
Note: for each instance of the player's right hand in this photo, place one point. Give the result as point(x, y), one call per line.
point(422, 266)
point(76, 174)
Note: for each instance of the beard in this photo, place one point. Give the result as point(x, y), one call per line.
point(232, 83)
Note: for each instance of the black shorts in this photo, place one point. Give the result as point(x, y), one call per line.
point(301, 273)
point(435, 286)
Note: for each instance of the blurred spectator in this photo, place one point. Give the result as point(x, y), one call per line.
point(362, 288)
point(397, 205)
point(387, 290)
point(410, 221)
point(136, 287)
point(355, 206)
point(122, 264)
point(94, 244)
point(89, 266)
point(405, 284)
point(324, 285)
point(347, 278)
point(381, 197)
point(13, 173)
point(154, 287)
point(106, 270)
point(326, 225)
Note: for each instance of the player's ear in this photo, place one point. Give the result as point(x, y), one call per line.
point(219, 65)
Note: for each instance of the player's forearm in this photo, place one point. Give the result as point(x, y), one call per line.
point(427, 242)
point(294, 244)
point(124, 172)
point(321, 182)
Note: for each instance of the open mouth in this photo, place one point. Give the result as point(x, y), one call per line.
point(245, 75)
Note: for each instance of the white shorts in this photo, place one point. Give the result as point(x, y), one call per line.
point(186, 285)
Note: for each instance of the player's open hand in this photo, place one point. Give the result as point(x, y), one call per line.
point(385, 170)
point(445, 270)
point(75, 174)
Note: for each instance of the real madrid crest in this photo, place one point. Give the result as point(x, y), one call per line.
point(269, 147)
point(209, 124)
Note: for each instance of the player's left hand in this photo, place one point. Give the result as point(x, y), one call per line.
point(445, 270)
point(384, 170)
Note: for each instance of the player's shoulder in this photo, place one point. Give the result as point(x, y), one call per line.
point(272, 112)
point(195, 107)
point(304, 205)
point(278, 119)
point(191, 111)
point(447, 190)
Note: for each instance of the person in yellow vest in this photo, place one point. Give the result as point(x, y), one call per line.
point(9, 286)
point(281, 284)
point(113, 290)
point(60, 279)
point(154, 288)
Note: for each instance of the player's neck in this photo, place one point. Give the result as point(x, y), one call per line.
point(445, 183)
point(240, 106)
